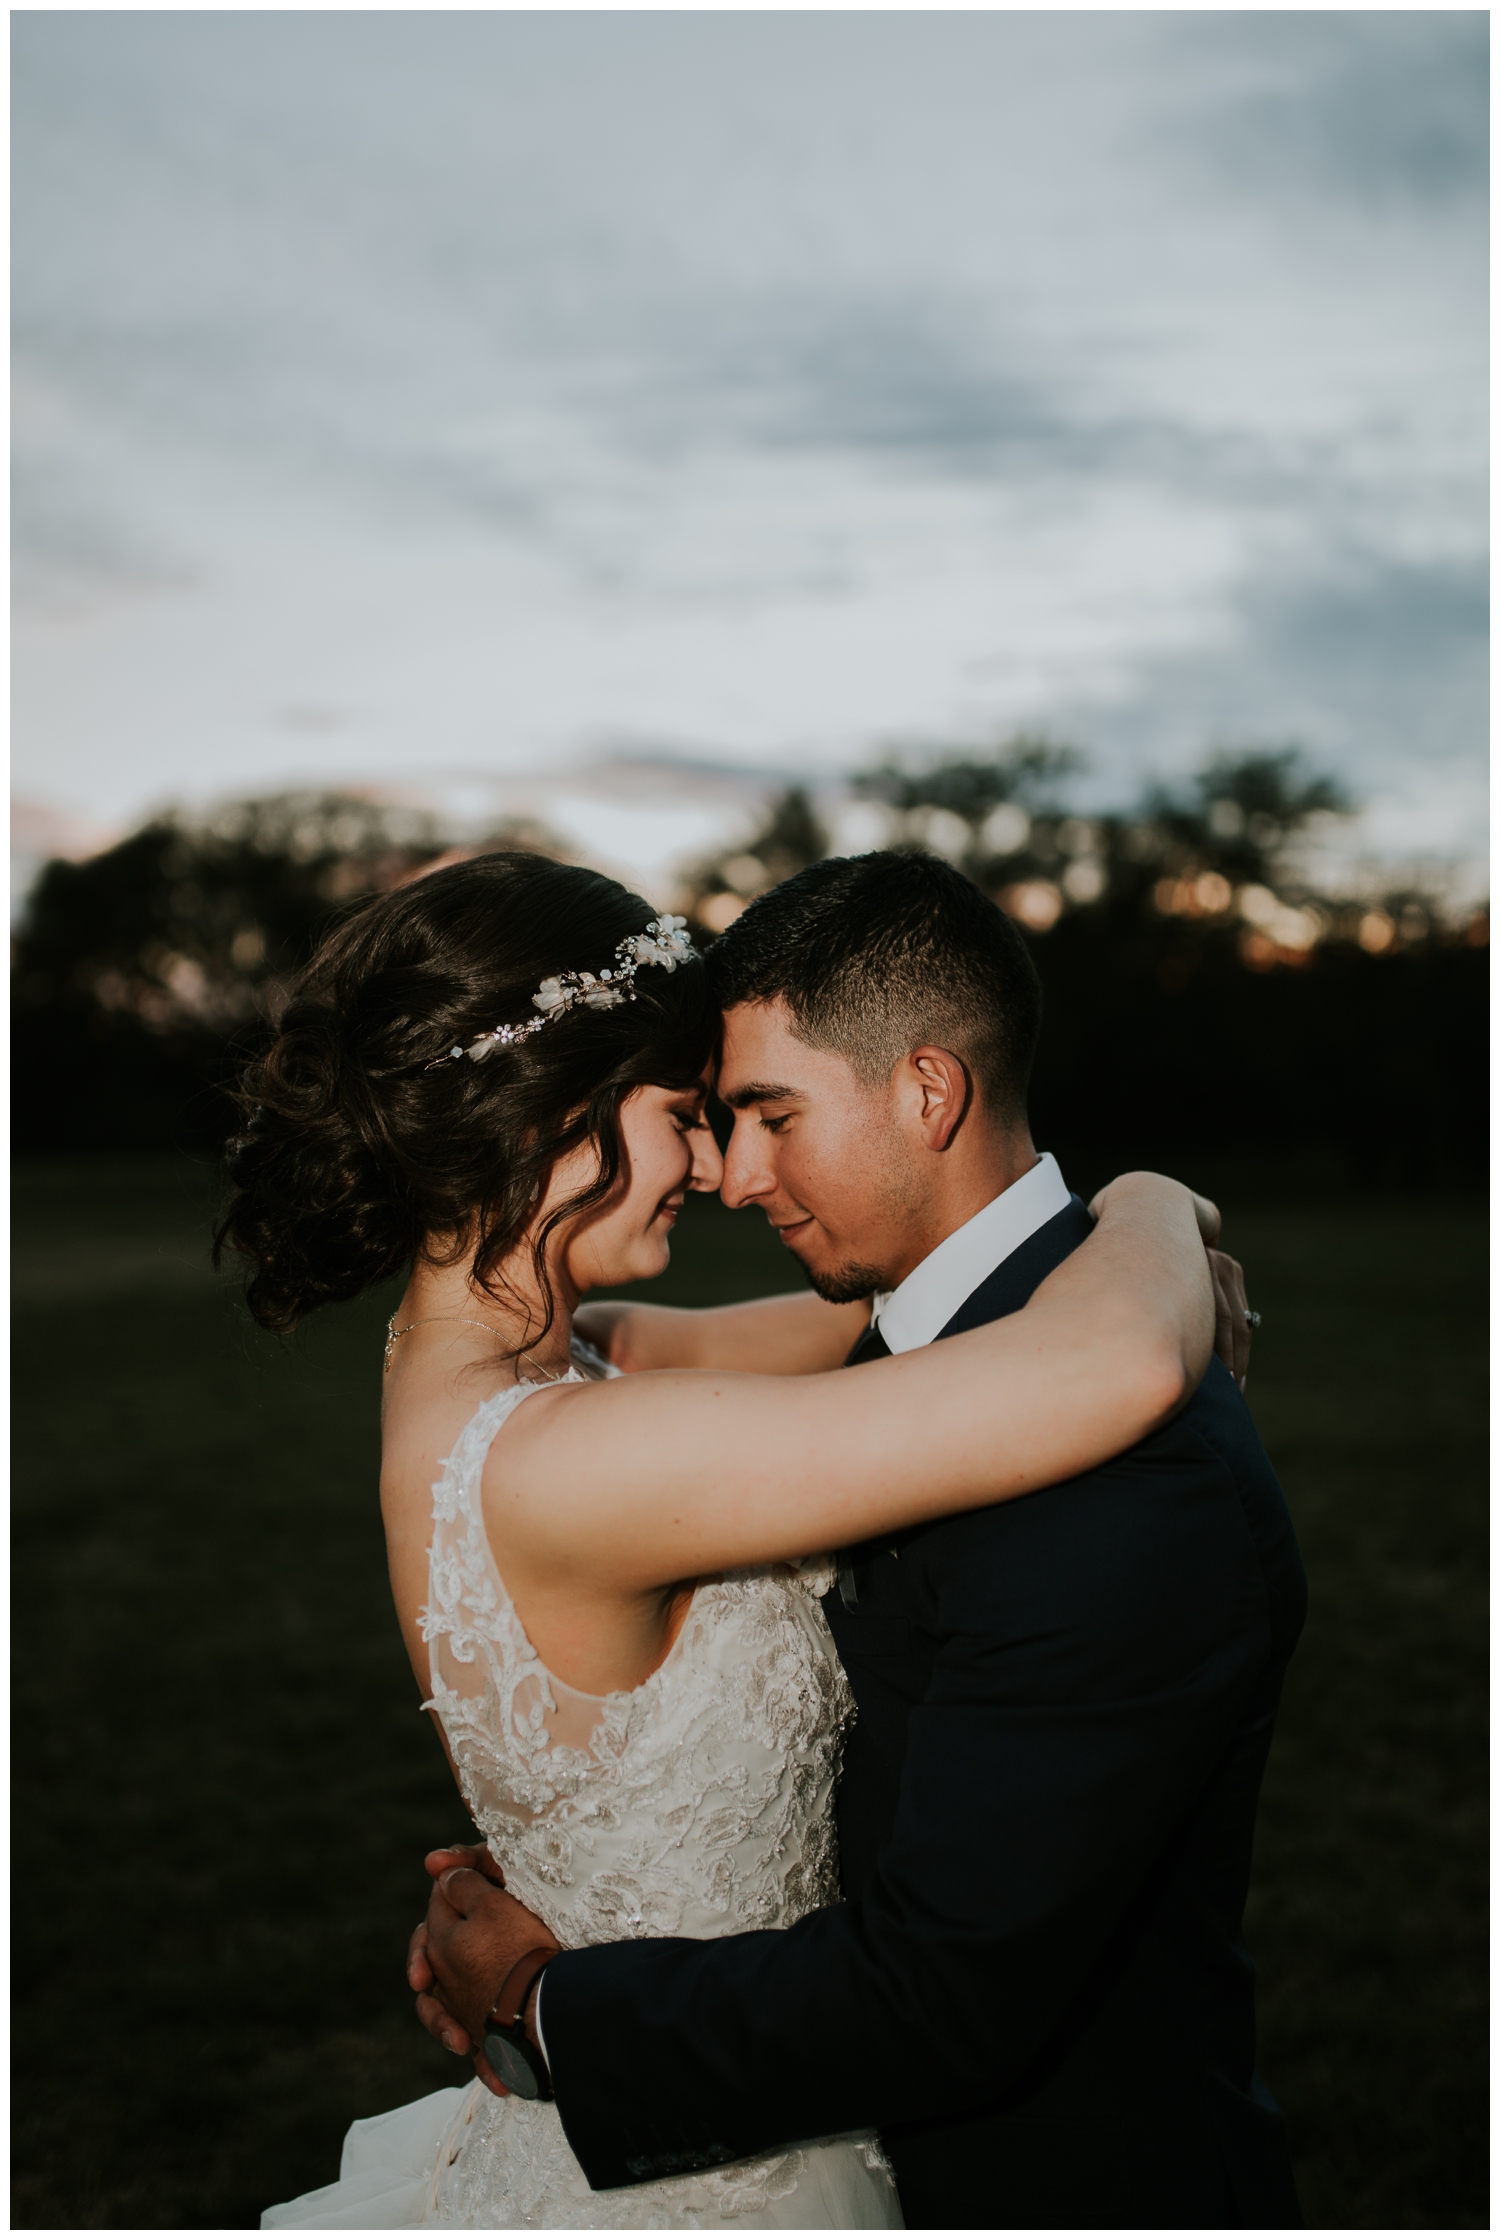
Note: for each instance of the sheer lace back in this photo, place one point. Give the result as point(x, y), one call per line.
point(694, 1805)
point(523, 1730)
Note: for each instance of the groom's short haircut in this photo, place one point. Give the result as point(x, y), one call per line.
point(876, 955)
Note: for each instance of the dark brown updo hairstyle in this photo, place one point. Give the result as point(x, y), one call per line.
point(354, 1155)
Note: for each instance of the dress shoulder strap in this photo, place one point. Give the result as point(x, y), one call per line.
point(456, 1492)
point(489, 1687)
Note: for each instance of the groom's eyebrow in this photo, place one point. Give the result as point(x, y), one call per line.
point(762, 1092)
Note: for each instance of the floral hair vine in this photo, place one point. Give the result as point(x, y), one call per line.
point(665, 942)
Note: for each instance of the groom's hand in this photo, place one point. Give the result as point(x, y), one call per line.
point(418, 1967)
point(431, 2013)
point(460, 1956)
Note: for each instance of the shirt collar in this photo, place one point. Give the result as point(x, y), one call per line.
point(918, 1308)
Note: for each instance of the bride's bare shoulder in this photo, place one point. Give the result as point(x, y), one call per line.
point(418, 1427)
point(518, 1454)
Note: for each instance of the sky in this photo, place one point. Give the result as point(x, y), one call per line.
point(420, 398)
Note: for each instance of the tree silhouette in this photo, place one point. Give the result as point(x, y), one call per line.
point(1025, 771)
point(1240, 811)
point(1193, 996)
point(717, 888)
point(139, 971)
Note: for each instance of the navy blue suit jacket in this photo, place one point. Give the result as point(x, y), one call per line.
point(1036, 1984)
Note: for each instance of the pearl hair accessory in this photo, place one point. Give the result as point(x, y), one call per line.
point(665, 942)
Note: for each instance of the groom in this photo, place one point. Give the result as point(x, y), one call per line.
point(1035, 1985)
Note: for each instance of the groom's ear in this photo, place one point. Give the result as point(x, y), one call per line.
point(941, 1090)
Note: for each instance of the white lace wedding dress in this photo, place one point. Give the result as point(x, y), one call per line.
point(696, 1805)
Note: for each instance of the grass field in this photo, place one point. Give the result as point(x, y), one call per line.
point(225, 1786)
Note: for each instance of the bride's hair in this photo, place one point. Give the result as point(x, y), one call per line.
point(354, 1155)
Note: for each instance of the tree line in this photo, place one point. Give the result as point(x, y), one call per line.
point(1200, 993)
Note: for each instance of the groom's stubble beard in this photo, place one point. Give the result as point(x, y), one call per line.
point(843, 1285)
point(897, 1201)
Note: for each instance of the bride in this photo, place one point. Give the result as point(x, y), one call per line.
point(494, 1079)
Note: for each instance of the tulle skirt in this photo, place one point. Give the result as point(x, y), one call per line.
point(467, 2159)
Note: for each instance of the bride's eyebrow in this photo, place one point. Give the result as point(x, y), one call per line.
point(762, 1092)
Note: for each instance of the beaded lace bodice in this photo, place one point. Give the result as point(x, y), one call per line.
point(698, 1804)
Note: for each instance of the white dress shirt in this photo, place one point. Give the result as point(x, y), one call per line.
point(929, 1298)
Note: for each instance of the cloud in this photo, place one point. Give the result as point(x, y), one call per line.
point(1380, 110)
point(1115, 355)
point(1378, 667)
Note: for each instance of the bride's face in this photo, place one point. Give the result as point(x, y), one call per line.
point(668, 1149)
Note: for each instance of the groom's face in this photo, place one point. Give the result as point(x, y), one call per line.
point(825, 1156)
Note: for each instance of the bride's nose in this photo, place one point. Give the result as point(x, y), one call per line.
point(707, 1170)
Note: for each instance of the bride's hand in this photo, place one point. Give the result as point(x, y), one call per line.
point(1232, 1325)
point(1233, 1328)
point(1204, 1209)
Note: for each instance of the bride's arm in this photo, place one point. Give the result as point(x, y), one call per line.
point(673, 1475)
point(792, 1335)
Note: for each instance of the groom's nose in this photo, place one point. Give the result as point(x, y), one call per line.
point(748, 1172)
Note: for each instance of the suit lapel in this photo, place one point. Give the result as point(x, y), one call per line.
point(1006, 1289)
